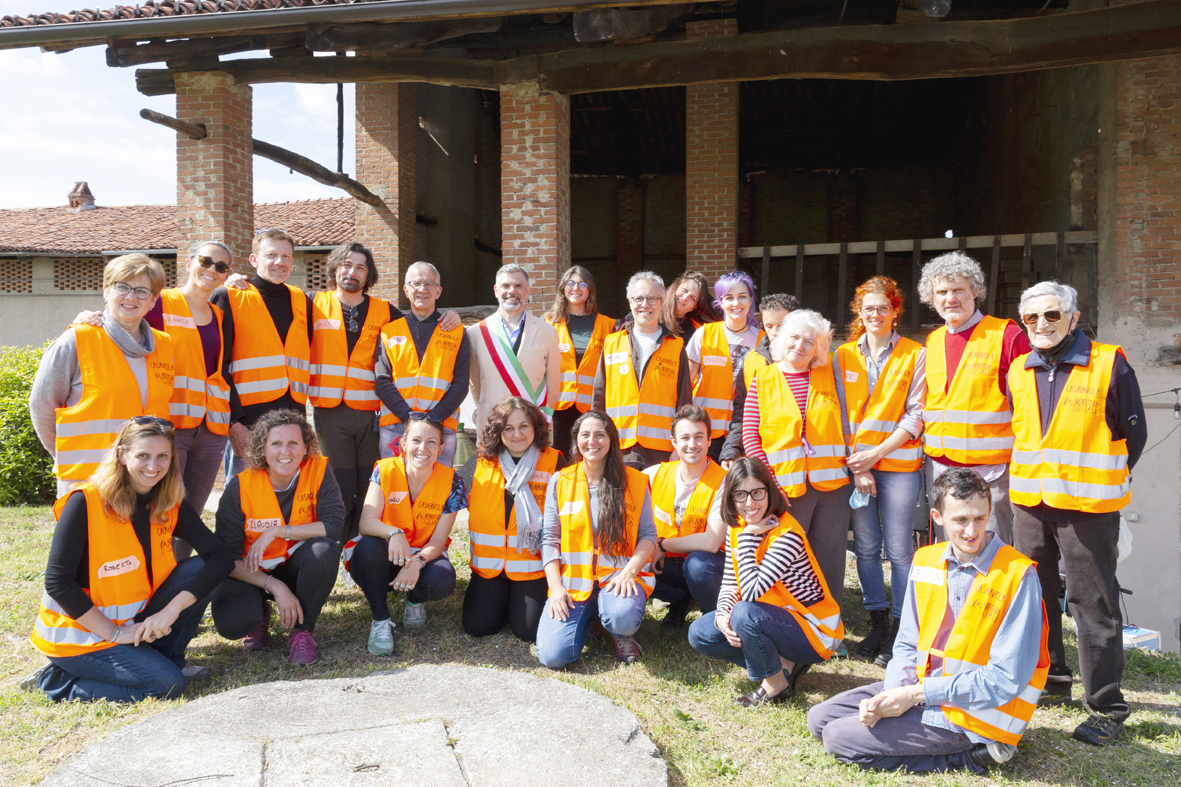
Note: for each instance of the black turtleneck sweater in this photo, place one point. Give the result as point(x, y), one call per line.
point(278, 302)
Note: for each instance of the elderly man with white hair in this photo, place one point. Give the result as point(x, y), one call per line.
point(966, 422)
point(1079, 425)
point(795, 421)
point(643, 377)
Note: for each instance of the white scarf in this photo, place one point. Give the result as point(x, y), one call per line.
point(516, 481)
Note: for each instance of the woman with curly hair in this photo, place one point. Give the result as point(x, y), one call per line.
point(504, 520)
point(283, 515)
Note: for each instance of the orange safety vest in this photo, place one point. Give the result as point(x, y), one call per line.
point(714, 389)
point(781, 430)
point(119, 584)
point(110, 397)
point(416, 518)
point(196, 397)
point(751, 364)
point(261, 508)
point(578, 382)
point(336, 375)
point(422, 384)
point(968, 421)
point(582, 562)
point(1077, 465)
point(874, 417)
point(696, 516)
point(970, 641)
point(493, 539)
point(263, 366)
point(821, 622)
point(645, 413)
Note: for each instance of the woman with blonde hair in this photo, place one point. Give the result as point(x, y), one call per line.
point(118, 610)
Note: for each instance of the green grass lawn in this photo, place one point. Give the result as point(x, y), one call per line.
point(684, 701)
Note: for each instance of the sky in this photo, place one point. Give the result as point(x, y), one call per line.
point(69, 117)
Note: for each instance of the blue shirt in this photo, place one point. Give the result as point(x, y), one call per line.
point(456, 501)
point(1011, 663)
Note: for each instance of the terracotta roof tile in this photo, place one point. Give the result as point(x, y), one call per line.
point(160, 8)
point(57, 231)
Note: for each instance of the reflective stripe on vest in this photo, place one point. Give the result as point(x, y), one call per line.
point(578, 382)
point(423, 384)
point(416, 518)
point(714, 388)
point(642, 414)
point(118, 576)
point(110, 397)
point(874, 417)
point(781, 430)
point(263, 366)
point(969, 637)
point(968, 420)
point(493, 535)
point(1076, 465)
point(195, 396)
point(337, 375)
point(821, 622)
point(579, 548)
point(696, 515)
point(261, 508)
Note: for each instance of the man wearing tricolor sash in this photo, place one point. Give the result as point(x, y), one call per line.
point(513, 352)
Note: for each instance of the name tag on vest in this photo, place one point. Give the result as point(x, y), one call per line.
point(714, 360)
point(663, 516)
point(573, 507)
point(395, 498)
point(327, 325)
point(396, 341)
point(563, 347)
point(616, 357)
point(851, 377)
point(179, 321)
point(259, 525)
point(540, 477)
point(932, 576)
point(117, 567)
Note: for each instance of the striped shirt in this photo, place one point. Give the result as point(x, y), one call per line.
point(784, 561)
point(752, 444)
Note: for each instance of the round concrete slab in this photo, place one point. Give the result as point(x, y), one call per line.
point(442, 726)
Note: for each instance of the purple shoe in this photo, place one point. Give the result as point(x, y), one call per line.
point(303, 648)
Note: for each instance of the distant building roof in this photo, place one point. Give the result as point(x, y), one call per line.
point(159, 8)
point(62, 231)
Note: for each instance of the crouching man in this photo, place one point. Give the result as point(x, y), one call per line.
point(970, 659)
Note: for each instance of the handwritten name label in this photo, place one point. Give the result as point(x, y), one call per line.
point(396, 498)
point(259, 525)
point(573, 507)
point(395, 341)
point(327, 325)
point(563, 347)
point(663, 516)
point(116, 567)
point(714, 360)
point(540, 477)
point(851, 377)
point(616, 357)
point(179, 321)
point(932, 576)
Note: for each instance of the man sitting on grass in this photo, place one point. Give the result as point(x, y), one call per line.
point(970, 659)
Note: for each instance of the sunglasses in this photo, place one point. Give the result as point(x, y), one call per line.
point(757, 495)
point(209, 262)
point(1051, 316)
point(580, 285)
point(148, 420)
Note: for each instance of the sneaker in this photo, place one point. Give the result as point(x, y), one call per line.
point(193, 671)
point(988, 755)
point(627, 650)
point(302, 647)
point(1056, 692)
point(675, 617)
point(261, 636)
point(1097, 730)
point(381, 637)
point(346, 578)
point(841, 651)
point(414, 617)
point(32, 681)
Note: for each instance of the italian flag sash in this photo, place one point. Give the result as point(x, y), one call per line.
point(509, 367)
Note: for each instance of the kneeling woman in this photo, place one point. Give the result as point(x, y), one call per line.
point(118, 610)
point(508, 581)
point(597, 543)
point(283, 515)
point(404, 532)
point(775, 615)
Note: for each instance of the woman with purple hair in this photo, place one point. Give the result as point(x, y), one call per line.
point(716, 349)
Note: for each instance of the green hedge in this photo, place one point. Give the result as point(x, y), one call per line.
point(26, 470)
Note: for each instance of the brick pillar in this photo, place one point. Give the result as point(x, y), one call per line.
point(711, 165)
point(535, 186)
point(386, 127)
point(215, 175)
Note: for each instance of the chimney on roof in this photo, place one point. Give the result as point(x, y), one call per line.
point(80, 198)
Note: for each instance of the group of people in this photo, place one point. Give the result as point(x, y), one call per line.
point(712, 451)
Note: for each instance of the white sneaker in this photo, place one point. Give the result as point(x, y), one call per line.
point(415, 616)
point(193, 671)
point(31, 682)
point(346, 578)
point(381, 637)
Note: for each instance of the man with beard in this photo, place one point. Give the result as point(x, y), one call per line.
point(422, 365)
point(516, 354)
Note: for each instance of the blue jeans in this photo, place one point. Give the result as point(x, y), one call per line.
point(889, 517)
point(560, 642)
point(703, 574)
point(767, 632)
point(231, 464)
point(129, 673)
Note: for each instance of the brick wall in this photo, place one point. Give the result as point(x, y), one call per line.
point(1148, 190)
point(629, 239)
point(535, 186)
point(711, 165)
point(215, 175)
point(386, 127)
point(842, 209)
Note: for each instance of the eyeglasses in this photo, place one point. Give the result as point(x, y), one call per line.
point(124, 289)
point(757, 495)
point(1032, 318)
point(209, 262)
point(577, 285)
point(642, 300)
point(417, 416)
point(422, 285)
point(148, 420)
point(871, 310)
point(270, 229)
